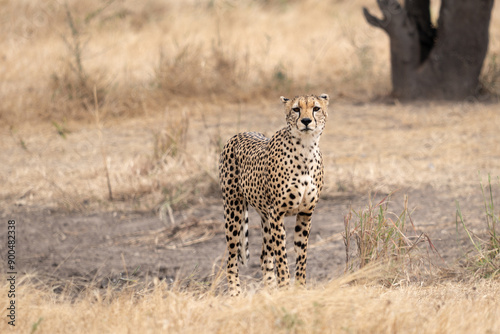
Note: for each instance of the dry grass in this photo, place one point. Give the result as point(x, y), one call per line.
point(143, 56)
point(175, 236)
point(377, 235)
point(334, 307)
point(369, 147)
point(486, 259)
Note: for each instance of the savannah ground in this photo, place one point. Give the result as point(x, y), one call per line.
point(113, 115)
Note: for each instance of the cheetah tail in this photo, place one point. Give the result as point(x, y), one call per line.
point(244, 254)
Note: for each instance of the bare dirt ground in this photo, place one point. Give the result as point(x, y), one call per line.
point(99, 247)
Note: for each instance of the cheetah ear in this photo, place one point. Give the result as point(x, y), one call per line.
point(284, 99)
point(325, 98)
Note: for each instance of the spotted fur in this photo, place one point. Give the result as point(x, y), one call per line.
point(280, 176)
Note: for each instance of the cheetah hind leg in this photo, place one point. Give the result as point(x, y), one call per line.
point(234, 212)
point(267, 255)
point(243, 252)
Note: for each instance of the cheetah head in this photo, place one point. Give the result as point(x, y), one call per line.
point(306, 114)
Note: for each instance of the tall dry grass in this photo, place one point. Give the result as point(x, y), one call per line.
point(377, 235)
point(485, 261)
point(143, 56)
point(334, 307)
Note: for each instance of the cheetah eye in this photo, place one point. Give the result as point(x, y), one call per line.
point(316, 108)
point(296, 109)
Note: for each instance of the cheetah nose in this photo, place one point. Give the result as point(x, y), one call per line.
point(306, 121)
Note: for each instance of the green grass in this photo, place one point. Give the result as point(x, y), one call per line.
point(485, 262)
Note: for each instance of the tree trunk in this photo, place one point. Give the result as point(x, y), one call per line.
point(430, 63)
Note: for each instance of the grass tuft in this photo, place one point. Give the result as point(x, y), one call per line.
point(486, 261)
point(75, 85)
point(375, 235)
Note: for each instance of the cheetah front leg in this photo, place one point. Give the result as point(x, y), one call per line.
point(278, 241)
point(267, 255)
point(300, 240)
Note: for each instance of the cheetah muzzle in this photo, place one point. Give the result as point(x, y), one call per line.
point(279, 177)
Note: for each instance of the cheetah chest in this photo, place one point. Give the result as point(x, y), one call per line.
point(301, 189)
point(302, 196)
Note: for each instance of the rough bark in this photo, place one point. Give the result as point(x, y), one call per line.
point(428, 62)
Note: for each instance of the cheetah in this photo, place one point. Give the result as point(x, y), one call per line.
point(280, 176)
